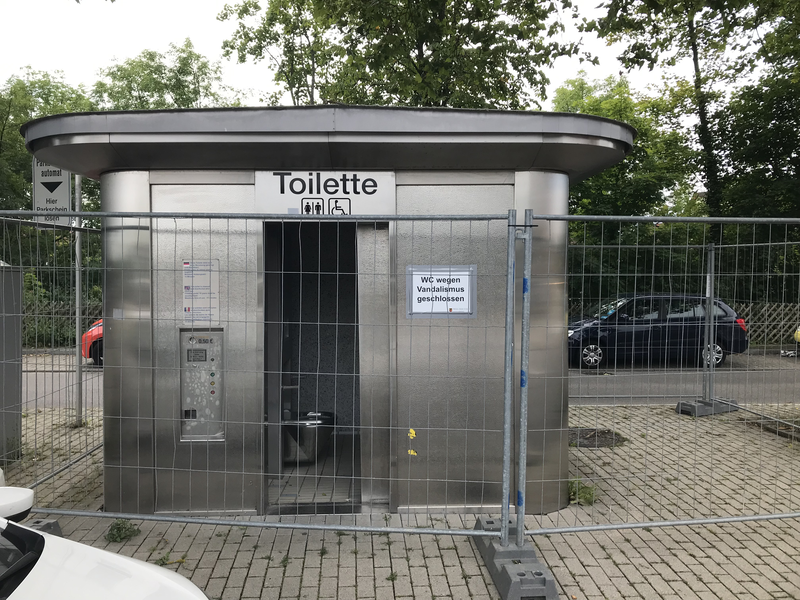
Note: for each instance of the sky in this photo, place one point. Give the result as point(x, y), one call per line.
point(80, 39)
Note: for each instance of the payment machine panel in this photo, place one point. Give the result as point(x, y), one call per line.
point(202, 385)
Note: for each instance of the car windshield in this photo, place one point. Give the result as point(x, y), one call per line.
point(20, 548)
point(609, 308)
point(9, 554)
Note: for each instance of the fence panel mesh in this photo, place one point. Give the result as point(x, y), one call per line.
point(633, 458)
point(341, 399)
point(59, 450)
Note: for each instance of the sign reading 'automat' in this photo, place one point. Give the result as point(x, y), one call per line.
point(52, 193)
point(333, 193)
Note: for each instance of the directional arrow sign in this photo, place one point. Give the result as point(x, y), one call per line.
point(51, 193)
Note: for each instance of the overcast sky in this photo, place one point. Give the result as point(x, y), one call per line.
point(80, 39)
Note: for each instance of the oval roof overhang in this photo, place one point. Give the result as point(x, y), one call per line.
point(329, 137)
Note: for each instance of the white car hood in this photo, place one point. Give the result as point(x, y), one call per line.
point(71, 571)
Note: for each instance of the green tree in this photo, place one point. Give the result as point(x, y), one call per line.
point(759, 147)
point(181, 78)
point(758, 140)
point(781, 42)
point(23, 98)
point(45, 252)
point(289, 36)
point(659, 163)
point(702, 31)
point(610, 258)
point(480, 54)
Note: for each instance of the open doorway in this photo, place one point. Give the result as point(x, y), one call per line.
point(312, 398)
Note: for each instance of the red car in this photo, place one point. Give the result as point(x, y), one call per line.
point(92, 343)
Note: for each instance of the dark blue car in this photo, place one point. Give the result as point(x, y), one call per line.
point(655, 329)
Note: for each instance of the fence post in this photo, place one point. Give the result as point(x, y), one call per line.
point(508, 384)
point(522, 461)
point(708, 360)
point(78, 309)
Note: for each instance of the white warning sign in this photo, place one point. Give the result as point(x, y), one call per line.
point(441, 290)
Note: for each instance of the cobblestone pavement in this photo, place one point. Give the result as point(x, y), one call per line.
point(241, 562)
point(675, 467)
point(749, 560)
point(670, 467)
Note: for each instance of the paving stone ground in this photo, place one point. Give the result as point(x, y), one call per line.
point(671, 467)
point(731, 467)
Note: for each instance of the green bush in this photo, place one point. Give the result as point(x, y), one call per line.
point(49, 322)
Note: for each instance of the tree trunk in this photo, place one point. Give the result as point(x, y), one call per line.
point(710, 160)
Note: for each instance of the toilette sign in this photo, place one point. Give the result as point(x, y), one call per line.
point(441, 291)
point(326, 193)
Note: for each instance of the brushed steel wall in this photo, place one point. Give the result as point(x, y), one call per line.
point(441, 378)
point(148, 468)
point(127, 346)
point(209, 475)
point(547, 473)
point(450, 371)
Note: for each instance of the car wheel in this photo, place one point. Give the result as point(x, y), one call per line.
point(715, 352)
point(96, 353)
point(593, 356)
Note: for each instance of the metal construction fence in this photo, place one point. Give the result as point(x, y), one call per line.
point(342, 396)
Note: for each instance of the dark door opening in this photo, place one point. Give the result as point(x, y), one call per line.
point(312, 398)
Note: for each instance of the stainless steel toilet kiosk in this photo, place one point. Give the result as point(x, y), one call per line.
point(219, 394)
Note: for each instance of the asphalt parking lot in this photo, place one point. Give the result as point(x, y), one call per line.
point(756, 377)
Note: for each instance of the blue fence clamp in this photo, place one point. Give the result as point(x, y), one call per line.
point(523, 379)
point(525, 286)
point(519, 498)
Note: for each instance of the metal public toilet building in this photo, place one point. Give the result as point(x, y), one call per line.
point(283, 364)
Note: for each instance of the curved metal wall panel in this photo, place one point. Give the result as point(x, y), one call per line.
point(127, 333)
point(548, 399)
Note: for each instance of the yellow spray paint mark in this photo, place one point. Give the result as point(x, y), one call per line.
point(412, 434)
point(412, 452)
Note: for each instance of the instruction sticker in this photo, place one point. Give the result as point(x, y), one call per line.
point(201, 291)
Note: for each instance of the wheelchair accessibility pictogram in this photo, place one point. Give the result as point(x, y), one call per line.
point(339, 206)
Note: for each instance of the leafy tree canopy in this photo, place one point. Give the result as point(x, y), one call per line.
point(479, 54)
point(23, 98)
point(290, 37)
point(666, 32)
point(781, 47)
point(659, 163)
point(758, 136)
point(705, 32)
point(181, 78)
